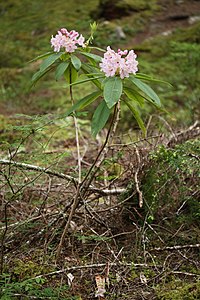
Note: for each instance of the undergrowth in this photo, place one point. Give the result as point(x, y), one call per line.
point(170, 186)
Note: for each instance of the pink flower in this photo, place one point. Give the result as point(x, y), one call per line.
point(120, 63)
point(67, 40)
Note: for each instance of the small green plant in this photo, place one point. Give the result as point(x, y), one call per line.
point(32, 288)
point(171, 183)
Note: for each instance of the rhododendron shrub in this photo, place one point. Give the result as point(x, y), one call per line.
point(115, 76)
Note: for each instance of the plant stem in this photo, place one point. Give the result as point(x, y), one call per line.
point(76, 198)
point(104, 149)
point(84, 184)
point(76, 132)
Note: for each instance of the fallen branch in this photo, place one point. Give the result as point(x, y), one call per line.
point(178, 247)
point(20, 223)
point(38, 169)
point(90, 267)
point(114, 191)
point(185, 273)
point(192, 132)
point(106, 192)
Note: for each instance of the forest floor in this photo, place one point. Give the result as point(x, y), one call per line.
point(171, 16)
point(114, 247)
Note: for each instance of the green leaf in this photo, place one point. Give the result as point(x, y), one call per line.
point(134, 95)
point(100, 118)
point(147, 90)
point(95, 74)
point(41, 56)
point(84, 102)
point(97, 48)
point(76, 62)
point(149, 78)
point(97, 58)
point(112, 91)
point(60, 70)
point(136, 114)
point(142, 76)
point(71, 74)
point(50, 60)
point(88, 70)
point(86, 80)
point(38, 75)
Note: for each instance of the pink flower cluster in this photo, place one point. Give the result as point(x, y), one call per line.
point(120, 63)
point(67, 40)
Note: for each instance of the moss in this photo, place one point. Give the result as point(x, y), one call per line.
point(137, 5)
point(26, 268)
point(118, 9)
point(176, 290)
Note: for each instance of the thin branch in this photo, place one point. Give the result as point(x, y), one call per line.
point(136, 178)
point(38, 169)
point(91, 267)
point(178, 247)
point(115, 122)
point(84, 185)
point(192, 132)
point(73, 209)
point(185, 273)
point(20, 223)
point(114, 191)
point(154, 232)
point(146, 139)
point(101, 152)
point(107, 192)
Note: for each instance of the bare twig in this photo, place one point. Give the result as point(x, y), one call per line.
point(146, 139)
point(178, 247)
point(91, 267)
point(113, 191)
point(20, 223)
point(38, 169)
point(106, 192)
point(185, 273)
point(184, 135)
point(136, 178)
point(84, 185)
point(154, 232)
point(73, 208)
point(115, 122)
point(101, 155)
